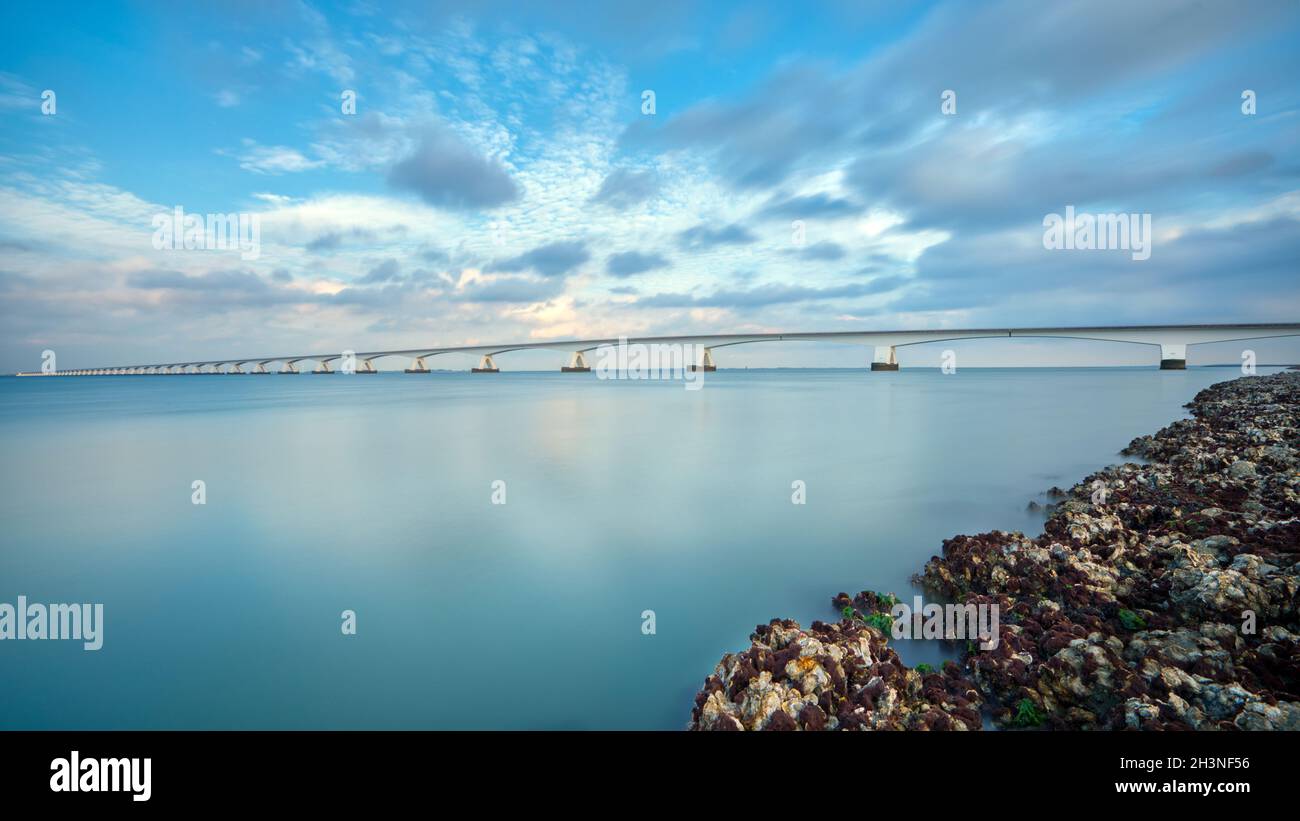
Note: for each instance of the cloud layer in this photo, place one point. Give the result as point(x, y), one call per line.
point(501, 180)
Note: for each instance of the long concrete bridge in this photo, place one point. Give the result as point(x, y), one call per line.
point(1173, 341)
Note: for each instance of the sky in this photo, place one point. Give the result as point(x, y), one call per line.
point(503, 176)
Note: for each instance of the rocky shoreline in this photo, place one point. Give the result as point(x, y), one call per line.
point(1159, 596)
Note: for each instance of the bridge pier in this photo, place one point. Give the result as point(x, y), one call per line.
point(1173, 357)
point(290, 366)
point(417, 366)
point(486, 365)
point(322, 366)
point(706, 363)
point(577, 364)
point(367, 367)
point(885, 359)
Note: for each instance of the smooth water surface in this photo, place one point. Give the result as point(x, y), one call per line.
point(374, 494)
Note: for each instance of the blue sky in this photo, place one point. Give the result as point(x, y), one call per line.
point(499, 180)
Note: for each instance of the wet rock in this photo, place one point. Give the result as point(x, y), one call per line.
point(1242, 470)
point(834, 676)
point(1172, 605)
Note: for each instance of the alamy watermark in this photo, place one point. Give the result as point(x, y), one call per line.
point(176, 231)
point(66, 622)
point(1098, 232)
point(77, 774)
point(947, 621)
point(655, 360)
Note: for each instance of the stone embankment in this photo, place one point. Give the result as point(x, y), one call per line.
point(1160, 595)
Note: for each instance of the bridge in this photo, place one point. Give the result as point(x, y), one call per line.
point(1173, 341)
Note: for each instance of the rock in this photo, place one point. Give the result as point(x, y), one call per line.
point(1128, 615)
point(833, 676)
point(1242, 470)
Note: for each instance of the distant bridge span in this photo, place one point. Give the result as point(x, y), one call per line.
point(1172, 340)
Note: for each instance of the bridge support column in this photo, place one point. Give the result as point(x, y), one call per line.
point(417, 366)
point(577, 364)
point(1173, 357)
point(367, 367)
point(486, 365)
point(260, 367)
point(706, 363)
point(322, 366)
point(885, 359)
point(289, 367)
point(235, 368)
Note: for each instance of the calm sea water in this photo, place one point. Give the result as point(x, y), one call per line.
point(374, 494)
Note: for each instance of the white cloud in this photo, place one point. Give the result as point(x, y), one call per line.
point(274, 159)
